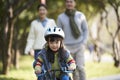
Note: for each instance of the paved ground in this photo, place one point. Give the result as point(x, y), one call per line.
point(104, 58)
point(113, 77)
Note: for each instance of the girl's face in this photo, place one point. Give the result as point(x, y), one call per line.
point(42, 12)
point(54, 45)
point(70, 4)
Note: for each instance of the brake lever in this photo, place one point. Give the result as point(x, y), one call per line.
point(64, 69)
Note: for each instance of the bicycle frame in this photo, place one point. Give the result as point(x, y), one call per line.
point(64, 70)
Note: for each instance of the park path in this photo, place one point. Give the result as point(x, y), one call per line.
point(104, 58)
point(112, 77)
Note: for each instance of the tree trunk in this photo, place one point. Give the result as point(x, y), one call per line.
point(16, 59)
point(7, 40)
point(15, 49)
point(6, 48)
point(7, 31)
point(116, 51)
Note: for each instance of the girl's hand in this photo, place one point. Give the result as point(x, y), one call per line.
point(32, 52)
point(37, 69)
point(72, 66)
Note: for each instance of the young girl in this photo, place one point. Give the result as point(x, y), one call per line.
point(54, 56)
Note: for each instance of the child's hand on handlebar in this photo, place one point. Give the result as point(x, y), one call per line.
point(72, 66)
point(37, 69)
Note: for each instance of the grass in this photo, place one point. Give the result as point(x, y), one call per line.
point(104, 68)
point(26, 72)
point(100, 69)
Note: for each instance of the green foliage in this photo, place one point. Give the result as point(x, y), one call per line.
point(23, 20)
point(91, 7)
point(55, 7)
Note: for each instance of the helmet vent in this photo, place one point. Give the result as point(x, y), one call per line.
point(54, 29)
point(49, 29)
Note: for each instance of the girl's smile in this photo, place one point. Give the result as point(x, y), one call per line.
point(55, 45)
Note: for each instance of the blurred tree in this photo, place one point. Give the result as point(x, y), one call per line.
point(17, 15)
point(10, 10)
point(94, 7)
point(115, 36)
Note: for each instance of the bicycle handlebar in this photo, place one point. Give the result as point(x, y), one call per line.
point(55, 70)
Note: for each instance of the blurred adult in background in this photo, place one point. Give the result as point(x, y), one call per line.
point(35, 40)
point(75, 26)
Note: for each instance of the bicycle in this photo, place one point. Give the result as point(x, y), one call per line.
point(46, 75)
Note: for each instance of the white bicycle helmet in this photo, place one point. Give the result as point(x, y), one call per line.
point(54, 31)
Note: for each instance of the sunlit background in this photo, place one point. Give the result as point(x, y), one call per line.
point(102, 53)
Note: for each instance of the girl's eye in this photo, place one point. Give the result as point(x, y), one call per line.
point(57, 42)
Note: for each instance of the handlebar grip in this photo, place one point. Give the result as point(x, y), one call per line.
point(64, 69)
point(41, 74)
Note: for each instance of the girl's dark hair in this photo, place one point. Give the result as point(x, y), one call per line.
point(62, 53)
point(74, 0)
point(43, 5)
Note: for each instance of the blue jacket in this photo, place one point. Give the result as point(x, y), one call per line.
point(47, 65)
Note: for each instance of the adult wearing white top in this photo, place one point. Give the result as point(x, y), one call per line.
point(35, 40)
point(74, 25)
